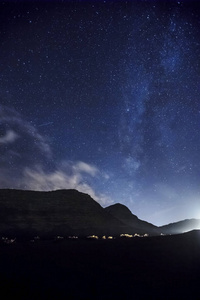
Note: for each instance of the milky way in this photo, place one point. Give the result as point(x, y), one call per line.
point(103, 96)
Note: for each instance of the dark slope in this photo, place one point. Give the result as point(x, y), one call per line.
point(181, 226)
point(122, 213)
point(62, 212)
point(69, 212)
point(157, 268)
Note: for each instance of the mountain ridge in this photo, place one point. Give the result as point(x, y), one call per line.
point(181, 226)
point(124, 214)
point(66, 212)
point(70, 212)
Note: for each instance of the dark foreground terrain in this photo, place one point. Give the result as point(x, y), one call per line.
point(165, 267)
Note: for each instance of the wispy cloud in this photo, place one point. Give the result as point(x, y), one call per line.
point(9, 137)
point(27, 161)
point(81, 166)
point(14, 125)
point(70, 178)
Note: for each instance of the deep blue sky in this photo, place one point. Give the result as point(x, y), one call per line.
point(104, 97)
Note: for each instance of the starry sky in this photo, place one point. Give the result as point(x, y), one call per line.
point(103, 97)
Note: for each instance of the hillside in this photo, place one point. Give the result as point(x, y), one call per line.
point(62, 212)
point(122, 213)
point(164, 267)
point(181, 226)
point(69, 212)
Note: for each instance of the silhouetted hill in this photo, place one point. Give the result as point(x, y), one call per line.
point(69, 212)
point(181, 226)
point(62, 212)
point(122, 213)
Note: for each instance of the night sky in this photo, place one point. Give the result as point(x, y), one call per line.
point(103, 97)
